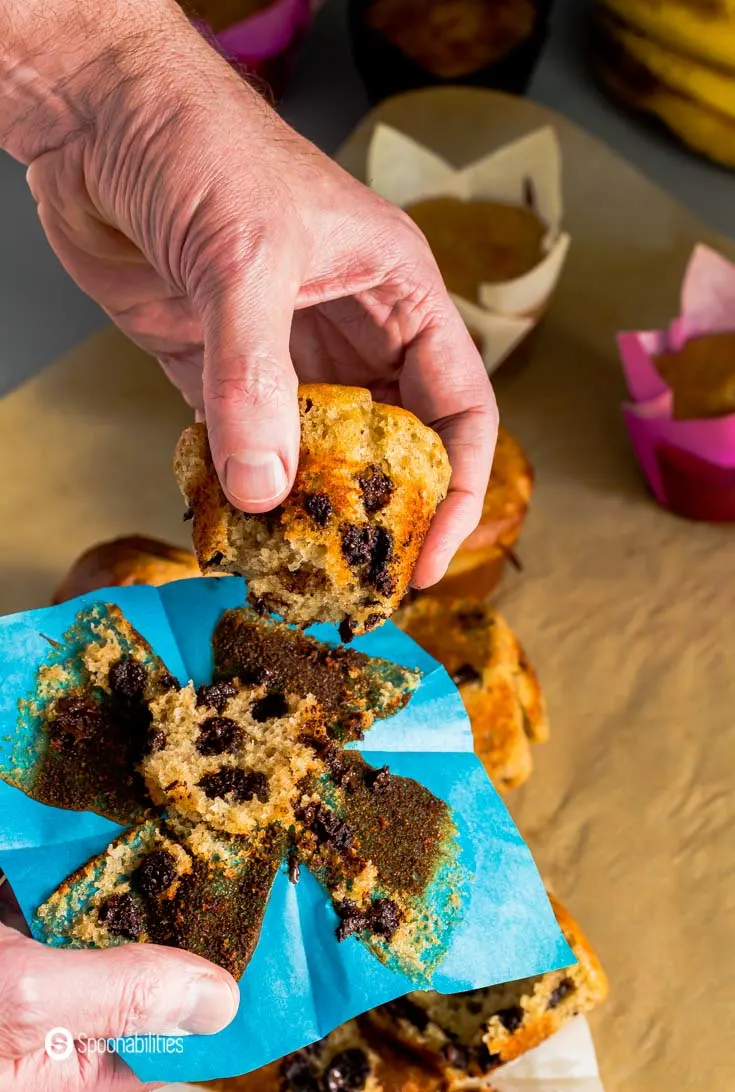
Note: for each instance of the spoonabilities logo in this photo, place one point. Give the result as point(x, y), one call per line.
point(59, 1044)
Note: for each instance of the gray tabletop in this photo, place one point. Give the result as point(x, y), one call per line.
point(42, 314)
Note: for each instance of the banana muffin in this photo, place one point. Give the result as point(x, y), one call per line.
point(498, 685)
point(467, 1036)
point(342, 546)
point(476, 568)
point(479, 242)
point(122, 562)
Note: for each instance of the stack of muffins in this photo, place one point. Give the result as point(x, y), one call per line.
point(675, 61)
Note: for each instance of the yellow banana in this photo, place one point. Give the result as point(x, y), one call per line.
point(633, 81)
point(705, 29)
point(711, 87)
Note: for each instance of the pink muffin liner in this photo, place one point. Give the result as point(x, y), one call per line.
point(689, 465)
point(265, 36)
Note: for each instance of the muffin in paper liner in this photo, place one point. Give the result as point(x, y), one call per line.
point(404, 171)
point(264, 43)
point(689, 464)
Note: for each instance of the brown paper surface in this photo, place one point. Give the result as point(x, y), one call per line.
point(627, 612)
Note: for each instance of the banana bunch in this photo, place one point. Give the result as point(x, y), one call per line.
point(674, 59)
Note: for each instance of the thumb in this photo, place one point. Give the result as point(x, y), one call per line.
point(250, 387)
point(130, 990)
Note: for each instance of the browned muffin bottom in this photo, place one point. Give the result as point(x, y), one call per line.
point(452, 38)
point(172, 883)
point(701, 376)
point(351, 689)
point(479, 242)
point(251, 773)
point(95, 720)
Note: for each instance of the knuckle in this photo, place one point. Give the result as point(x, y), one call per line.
point(22, 1024)
point(258, 382)
point(140, 992)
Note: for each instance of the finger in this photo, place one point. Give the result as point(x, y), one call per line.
point(136, 988)
point(80, 1072)
point(249, 383)
point(445, 384)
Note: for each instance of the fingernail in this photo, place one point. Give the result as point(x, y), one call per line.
point(209, 1006)
point(255, 477)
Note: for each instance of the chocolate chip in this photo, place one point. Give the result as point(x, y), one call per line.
point(156, 873)
point(216, 695)
point(272, 705)
point(373, 620)
point(457, 1056)
point(511, 1018)
point(127, 679)
point(351, 920)
point(122, 916)
point(294, 866)
point(376, 488)
point(347, 629)
point(381, 918)
point(557, 995)
point(404, 1009)
point(466, 673)
point(328, 828)
point(157, 741)
point(384, 917)
point(348, 1071)
point(188, 514)
point(259, 605)
point(377, 780)
point(74, 720)
point(475, 616)
point(217, 735)
point(167, 681)
point(216, 559)
point(380, 557)
point(307, 405)
point(319, 507)
point(256, 675)
point(357, 545)
point(351, 726)
point(297, 1075)
point(241, 785)
point(485, 1060)
point(341, 771)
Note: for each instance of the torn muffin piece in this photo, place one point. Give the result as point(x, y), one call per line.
point(169, 883)
point(351, 689)
point(386, 850)
point(499, 688)
point(238, 769)
point(342, 546)
point(83, 731)
point(466, 1036)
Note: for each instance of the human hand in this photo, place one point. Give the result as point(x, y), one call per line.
point(242, 258)
point(134, 989)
